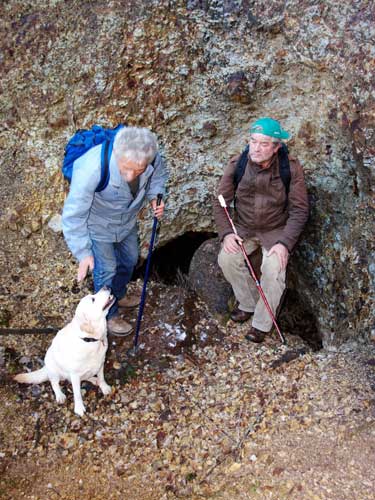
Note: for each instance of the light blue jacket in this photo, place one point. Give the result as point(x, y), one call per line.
point(110, 214)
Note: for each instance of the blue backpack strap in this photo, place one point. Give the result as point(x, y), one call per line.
point(104, 161)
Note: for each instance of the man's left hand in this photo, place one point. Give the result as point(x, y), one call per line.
point(282, 253)
point(157, 209)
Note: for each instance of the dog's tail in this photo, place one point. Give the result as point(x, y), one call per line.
point(36, 377)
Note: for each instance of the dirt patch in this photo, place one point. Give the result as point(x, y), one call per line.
point(199, 413)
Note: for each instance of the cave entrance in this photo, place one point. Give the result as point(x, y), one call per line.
point(170, 265)
point(171, 261)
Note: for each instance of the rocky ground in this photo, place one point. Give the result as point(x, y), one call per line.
point(199, 413)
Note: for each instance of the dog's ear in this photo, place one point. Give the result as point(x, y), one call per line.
point(87, 327)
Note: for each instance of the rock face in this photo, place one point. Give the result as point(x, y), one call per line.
point(196, 72)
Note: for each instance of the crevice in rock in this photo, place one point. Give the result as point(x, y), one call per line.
point(170, 263)
point(297, 319)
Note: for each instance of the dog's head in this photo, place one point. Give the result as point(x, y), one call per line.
point(92, 311)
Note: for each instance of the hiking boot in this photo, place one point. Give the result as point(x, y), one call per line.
point(130, 301)
point(118, 326)
point(255, 335)
point(240, 316)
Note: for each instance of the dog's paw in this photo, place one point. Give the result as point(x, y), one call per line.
point(60, 398)
point(106, 389)
point(79, 410)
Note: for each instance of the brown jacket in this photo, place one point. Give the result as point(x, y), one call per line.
point(260, 203)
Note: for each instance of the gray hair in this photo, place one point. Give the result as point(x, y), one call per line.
point(135, 143)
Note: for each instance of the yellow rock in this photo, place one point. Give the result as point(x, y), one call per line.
point(234, 467)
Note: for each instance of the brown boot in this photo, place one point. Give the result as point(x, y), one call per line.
point(118, 326)
point(255, 335)
point(130, 301)
point(240, 316)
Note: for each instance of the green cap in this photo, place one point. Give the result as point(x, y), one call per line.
point(270, 127)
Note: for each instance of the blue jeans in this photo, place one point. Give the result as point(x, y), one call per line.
point(114, 264)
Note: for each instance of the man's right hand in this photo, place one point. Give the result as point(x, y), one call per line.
point(85, 265)
point(157, 209)
point(230, 243)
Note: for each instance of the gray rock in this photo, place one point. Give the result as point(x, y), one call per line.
point(206, 278)
point(55, 223)
point(24, 360)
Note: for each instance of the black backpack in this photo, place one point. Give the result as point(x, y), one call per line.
point(284, 167)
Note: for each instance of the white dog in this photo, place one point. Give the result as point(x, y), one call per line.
point(78, 351)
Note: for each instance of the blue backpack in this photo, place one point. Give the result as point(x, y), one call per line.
point(82, 141)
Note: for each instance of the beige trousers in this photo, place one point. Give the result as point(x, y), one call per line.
point(272, 282)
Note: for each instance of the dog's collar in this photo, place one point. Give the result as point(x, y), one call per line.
point(89, 339)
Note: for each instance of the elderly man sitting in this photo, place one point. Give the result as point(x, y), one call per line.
point(100, 228)
point(269, 213)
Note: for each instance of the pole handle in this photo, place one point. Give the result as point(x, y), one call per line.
point(158, 199)
point(222, 201)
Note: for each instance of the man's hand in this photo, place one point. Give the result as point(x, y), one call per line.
point(86, 264)
point(282, 253)
point(230, 243)
point(157, 209)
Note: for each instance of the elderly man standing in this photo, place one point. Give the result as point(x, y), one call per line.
point(270, 211)
point(100, 228)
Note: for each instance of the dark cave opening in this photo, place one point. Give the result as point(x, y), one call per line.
point(171, 261)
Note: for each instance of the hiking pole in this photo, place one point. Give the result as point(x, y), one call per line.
point(251, 270)
point(134, 350)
